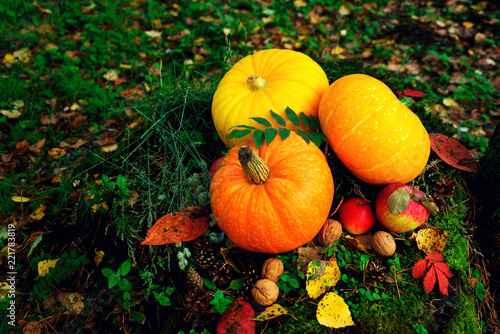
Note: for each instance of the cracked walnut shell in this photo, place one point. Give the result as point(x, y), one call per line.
point(272, 269)
point(383, 243)
point(265, 292)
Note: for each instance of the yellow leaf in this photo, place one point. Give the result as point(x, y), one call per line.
point(272, 312)
point(45, 265)
point(11, 113)
point(135, 123)
point(18, 103)
point(299, 3)
point(109, 148)
point(153, 33)
point(56, 153)
point(96, 207)
point(320, 276)
point(449, 102)
point(333, 312)
point(23, 55)
point(111, 75)
point(43, 10)
point(38, 214)
point(98, 257)
point(431, 240)
point(9, 59)
point(20, 199)
point(338, 50)
point(344, 10)
point(126, 66)
point(468, 25)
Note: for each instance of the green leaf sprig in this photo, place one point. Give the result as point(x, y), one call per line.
point(269, 133)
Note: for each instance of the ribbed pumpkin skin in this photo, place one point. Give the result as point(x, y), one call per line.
point(286, 211)
point(379, 139)
point(293, 80)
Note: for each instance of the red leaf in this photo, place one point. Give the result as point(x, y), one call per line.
point(435, 257)
point(442, 279)
point(444, 268)
point(419, 268)
point(453, 153)
point(410, 93)
point(430, 280)
point(184, 225)
point(237, 319)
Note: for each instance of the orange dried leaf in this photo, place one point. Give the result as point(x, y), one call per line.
point(184, 225)
point(453, 153)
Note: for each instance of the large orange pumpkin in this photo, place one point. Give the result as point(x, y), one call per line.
point(272, 199)
point(379, 139)
point(267, 80)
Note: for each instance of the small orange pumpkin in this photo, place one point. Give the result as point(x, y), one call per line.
point(379, 139)
point(275, 198)
point(272, 79)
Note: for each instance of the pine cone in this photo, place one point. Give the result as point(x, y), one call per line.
point(375, 272)
point(193, 278)
point(204, 253)
point(220, 274)
point(197, 300)
point(250, 276)
point(444, 190)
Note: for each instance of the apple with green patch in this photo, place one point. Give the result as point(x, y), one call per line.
point(402, 208)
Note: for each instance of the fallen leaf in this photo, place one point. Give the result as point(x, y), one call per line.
point(306, 255)
point(153, 33)
point(33, 327)
point(333, 312)
point(449, 102)
point(453, 153)
point(45, 265)
point(37, 147)
point(272, 312)
point(20, 199)
point(73, 301)
point(56, 153)
point(184, 225)
point(321, 275)
point(39, 214)
point(98, 257)
point(362, 242)
point(237, 319)
point(11, 113)
point(431, 240)
point(109, 148)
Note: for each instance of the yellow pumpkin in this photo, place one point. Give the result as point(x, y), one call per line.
point(379, 139)
point(272, 199)
point(267, 80)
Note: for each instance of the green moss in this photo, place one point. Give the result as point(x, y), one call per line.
point(464, 320)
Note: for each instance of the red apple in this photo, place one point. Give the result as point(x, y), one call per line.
point(214, 167)
point(402, 212)
point(356, 216)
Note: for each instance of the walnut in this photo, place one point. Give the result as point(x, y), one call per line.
point(265, 292)
point(272, 269)
point(383, 243)
point(330, 232)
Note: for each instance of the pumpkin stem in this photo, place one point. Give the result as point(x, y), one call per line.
point(255, 169)
point(256, 83)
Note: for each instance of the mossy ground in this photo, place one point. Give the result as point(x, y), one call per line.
point(406, 308)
